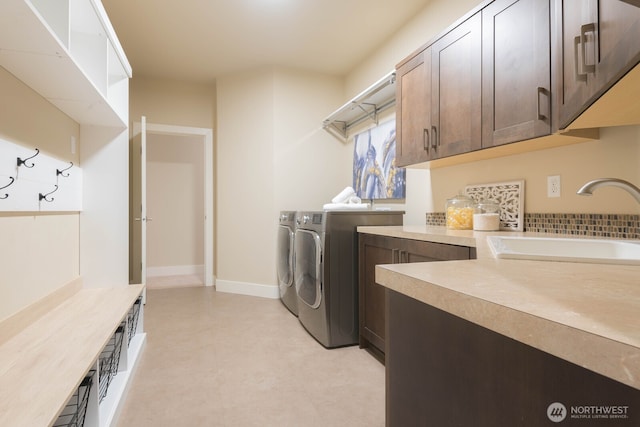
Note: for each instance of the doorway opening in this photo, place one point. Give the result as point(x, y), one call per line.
point(172, 238)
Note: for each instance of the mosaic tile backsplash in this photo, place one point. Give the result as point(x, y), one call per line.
point(616, 226)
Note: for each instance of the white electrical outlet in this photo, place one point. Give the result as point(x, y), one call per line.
point(553, 186)
point(73, 144)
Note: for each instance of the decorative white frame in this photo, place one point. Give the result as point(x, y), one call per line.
point(510, 197)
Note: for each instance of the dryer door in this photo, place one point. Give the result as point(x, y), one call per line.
point(285, 257)
point(308, 268)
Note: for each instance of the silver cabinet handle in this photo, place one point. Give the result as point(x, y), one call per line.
point(435, 141)
point(425, 139)
point(395, 258)
point(587, 28)
point(576, 62)
point(540, 91)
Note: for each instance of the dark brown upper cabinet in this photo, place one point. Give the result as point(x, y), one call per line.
point(597, 44)
point(516, 71)
point(456, 101)
point(438, 109)
point(413, 109)
point(511, 71)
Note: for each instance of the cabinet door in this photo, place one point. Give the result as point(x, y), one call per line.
point(516, 71)
point(619, 41)
point(456, 90)
point(599, 45)
point(413, 109)
point(419, 251)
point(373, 250)
point(442, 370)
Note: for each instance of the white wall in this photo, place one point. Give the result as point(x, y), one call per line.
point(104, 221)
point(39, 253)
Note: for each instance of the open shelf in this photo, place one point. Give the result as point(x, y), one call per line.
point(67, 51)
point(365, 106)
point(73, 414)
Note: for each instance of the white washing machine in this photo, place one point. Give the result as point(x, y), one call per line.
point(326, 271)
point(284, 262)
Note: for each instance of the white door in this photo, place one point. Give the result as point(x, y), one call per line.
point(138, 265)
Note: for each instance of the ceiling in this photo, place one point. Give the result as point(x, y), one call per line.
point(198, 40)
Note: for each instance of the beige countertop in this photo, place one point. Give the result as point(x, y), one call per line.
point(588, 314)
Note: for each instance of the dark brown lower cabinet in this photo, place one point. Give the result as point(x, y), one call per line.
point(375, 250)
point(443, 371)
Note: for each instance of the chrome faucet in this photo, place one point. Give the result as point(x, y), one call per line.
point(586, 190)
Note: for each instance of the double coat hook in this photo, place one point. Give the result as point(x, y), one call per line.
point(9, 184)
point(24, 162)
point(61, 172)
point(44, 197)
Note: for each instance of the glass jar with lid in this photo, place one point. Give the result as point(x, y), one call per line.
point(486, 216)
point(459, 211)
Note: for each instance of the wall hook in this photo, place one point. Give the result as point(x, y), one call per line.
point(24, 162)
point(7, 194)
point(44, 197)
point(60, 172)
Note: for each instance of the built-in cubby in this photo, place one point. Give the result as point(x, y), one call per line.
point(73, 40)
point(95, 400)
point(75, 411)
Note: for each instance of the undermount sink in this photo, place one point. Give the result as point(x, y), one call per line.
point(566, 249)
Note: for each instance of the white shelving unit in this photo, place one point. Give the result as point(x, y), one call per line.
point(101, 413)
point(365, 106)
point(68, 52)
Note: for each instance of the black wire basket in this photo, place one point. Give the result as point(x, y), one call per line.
point(109, 360)
point(132, 318)
point(75, 411)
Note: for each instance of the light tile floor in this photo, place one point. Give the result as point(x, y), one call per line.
point(216, 359)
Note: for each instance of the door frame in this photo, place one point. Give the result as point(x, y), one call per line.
point(209, 208)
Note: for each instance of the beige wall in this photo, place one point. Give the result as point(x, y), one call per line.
point(434, 18)
point(176, 103)
point(39, 252)
point(615, 154)
point(175, 201)
point(271, 153)
point(170, 102)
point(272, 156)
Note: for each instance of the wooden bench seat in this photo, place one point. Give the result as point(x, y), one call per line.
point(42, 365)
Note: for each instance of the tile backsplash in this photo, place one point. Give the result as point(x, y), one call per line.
point(617, 226)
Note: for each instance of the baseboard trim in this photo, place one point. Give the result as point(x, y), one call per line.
point(243, 288)
point(176, 270)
